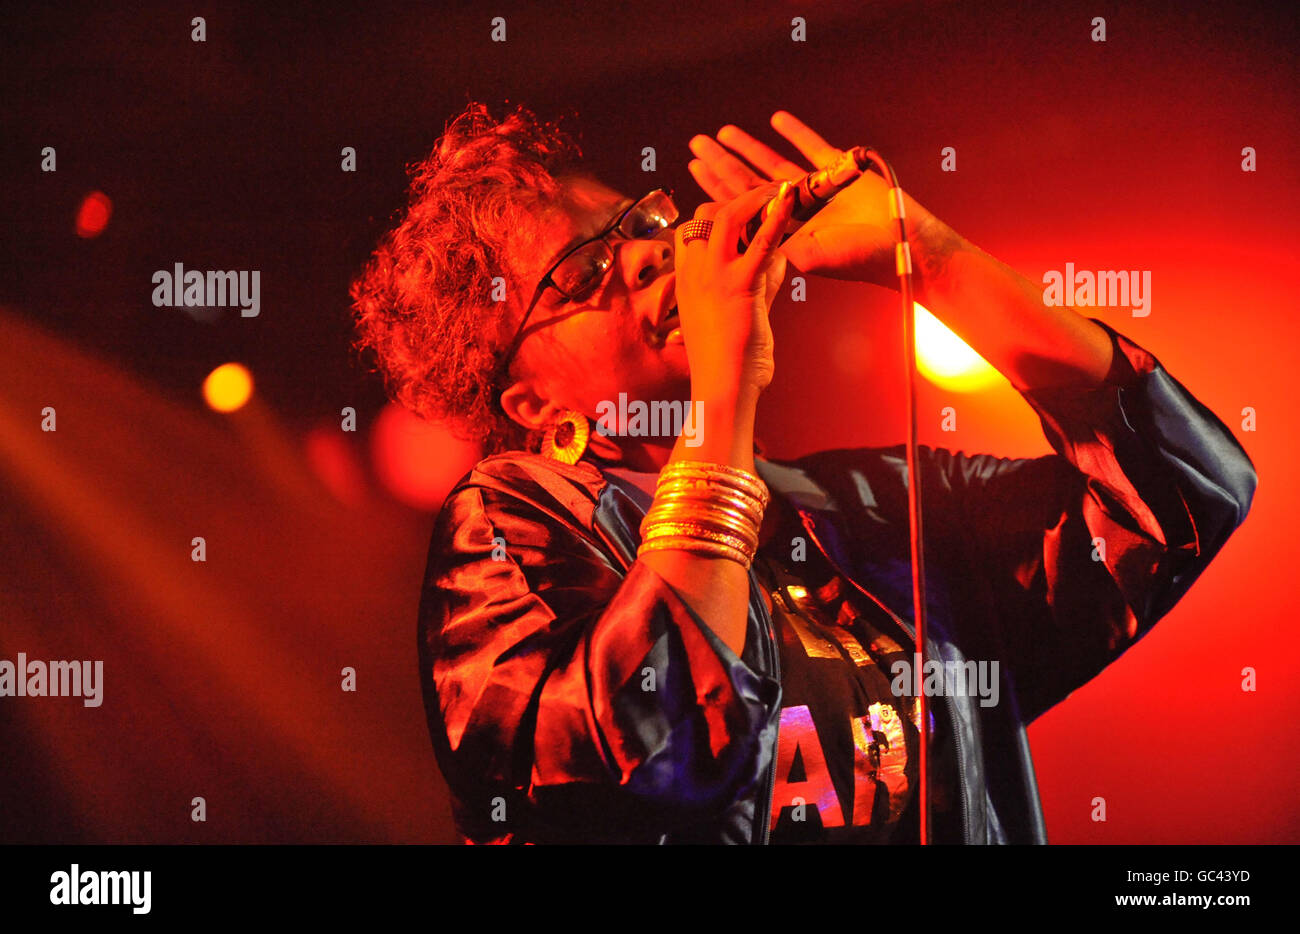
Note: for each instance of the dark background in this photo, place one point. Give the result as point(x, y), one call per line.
point(222, 678)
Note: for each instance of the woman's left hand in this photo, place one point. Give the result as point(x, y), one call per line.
point(853, 237)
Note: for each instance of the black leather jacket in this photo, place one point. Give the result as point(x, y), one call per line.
point(538, 628)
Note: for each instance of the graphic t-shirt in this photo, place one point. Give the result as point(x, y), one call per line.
point(846, 759)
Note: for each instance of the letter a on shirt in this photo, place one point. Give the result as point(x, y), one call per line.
point(797, 735)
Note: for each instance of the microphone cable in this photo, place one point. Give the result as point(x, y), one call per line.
point(868, 157)
point(813, 192)
point(903, 266)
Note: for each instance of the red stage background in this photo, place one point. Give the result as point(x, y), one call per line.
point(222, 678)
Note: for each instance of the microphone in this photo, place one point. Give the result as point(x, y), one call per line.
point(812, 193)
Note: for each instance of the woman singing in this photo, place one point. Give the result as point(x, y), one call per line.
point(635, 637)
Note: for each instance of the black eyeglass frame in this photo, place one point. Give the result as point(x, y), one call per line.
point(548, 282)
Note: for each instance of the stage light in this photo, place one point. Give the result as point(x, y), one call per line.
point(416, 460)
point(945, 359)
point(228, 387)
point(92, 217)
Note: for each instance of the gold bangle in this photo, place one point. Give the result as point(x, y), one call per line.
point(681, 534)
point(698, 530)
point(746, 546)
point(695, 546)
point(684, 488)
point(721, 520)
point(725, 511)
point(719, 499)
point(696, 481)
point(692, 546)
point(706, 508)
point(731, 476)
point(714, 481)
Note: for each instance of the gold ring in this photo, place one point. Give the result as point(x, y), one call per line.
point(696, 230)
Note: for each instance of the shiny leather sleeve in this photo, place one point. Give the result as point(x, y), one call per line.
point(572, 698)
point(1083, 552)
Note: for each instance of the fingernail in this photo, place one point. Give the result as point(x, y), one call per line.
point(785, 191)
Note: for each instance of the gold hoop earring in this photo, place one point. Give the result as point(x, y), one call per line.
point(566, 439)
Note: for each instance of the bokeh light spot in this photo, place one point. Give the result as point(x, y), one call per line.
point(228, 387)
point(418, 461)
point(92, 217)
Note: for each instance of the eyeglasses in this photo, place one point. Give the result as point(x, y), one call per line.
point(579, 273)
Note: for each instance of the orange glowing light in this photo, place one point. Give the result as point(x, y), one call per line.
point(93, 215)
point(416, 460)
point(228, 387)
point(946, 360)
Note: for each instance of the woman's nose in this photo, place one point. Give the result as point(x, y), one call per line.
point(653, 260)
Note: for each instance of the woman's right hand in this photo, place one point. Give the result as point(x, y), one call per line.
point(723, 296)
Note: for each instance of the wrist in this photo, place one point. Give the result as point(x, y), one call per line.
point(722, 427)
point(738, 391)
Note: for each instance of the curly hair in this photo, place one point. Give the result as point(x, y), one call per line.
point(423, 302)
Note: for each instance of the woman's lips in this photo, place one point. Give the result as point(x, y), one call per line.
point(669, 331)
point(667, 319)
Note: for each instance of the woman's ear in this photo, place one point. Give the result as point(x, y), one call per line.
point(522, 403)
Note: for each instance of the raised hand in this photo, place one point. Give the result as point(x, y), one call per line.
point(724, 296)
point(851, 238)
